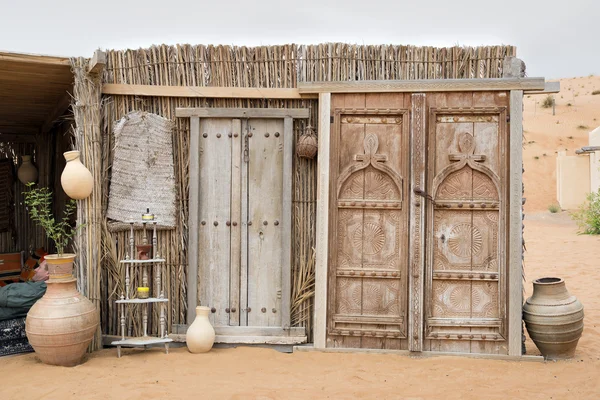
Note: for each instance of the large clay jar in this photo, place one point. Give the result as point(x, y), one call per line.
point(76, 179)
point(61, 325)
point(554, 318)
point(27, 171)
point(200, 336)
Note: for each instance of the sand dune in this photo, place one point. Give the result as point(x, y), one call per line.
point(577, 113)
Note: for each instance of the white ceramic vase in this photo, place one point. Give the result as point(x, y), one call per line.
point(27, 171)
point(200, 336)
point(76, 179)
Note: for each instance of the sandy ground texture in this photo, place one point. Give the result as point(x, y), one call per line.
point(577, 113)
point(554, 249)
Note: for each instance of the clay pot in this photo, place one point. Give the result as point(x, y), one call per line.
point(200, 336)
point(143, 251)
point(553, 318)
point(61, 325)
point(76, 179)
point(27, 171)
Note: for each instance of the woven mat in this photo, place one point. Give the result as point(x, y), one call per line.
point(143, 175)
point(6, 195)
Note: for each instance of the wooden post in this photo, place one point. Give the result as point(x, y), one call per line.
point(286, 223)
point(515, 242)
point(320, 321)
point(417, 222)
point(192, 277)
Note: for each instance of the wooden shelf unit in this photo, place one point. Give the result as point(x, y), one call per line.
point(126, 301)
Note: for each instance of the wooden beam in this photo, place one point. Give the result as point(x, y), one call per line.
point(424, 354)
point(551, 87)
point(98, 62)
point(194, 198)
point(242, 112)
point(515, 225)
point(18, 130)
point(286, 222)
point(202, 92)
point(320, 323)
point(57, 111)
point(34, 59)
point(423, 85)
point(17, 138)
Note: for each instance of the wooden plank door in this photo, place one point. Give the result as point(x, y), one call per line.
point(465, 295)
point(267, 225)
point(219, 203)
point(245, 221)
point(368, 241)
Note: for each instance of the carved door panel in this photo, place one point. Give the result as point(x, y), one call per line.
point(465, 287)
point(367, 300)
point(244, 221)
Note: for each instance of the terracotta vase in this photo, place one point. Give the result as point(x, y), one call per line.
point(553, 318)
point(27, 171)
point(200, 336)
point(76, 179)
point(61, 325)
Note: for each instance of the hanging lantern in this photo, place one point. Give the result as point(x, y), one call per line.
point(307, 143)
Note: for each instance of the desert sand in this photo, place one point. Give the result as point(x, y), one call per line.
point(553, 249)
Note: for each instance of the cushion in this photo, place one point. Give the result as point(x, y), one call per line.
point(32, 263)
point(10, 267)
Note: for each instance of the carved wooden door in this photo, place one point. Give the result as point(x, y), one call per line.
point(244, 223)
point(367, 295)
point(465, 286)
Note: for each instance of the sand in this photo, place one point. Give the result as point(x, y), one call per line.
point(554, 249)
point(577, 113)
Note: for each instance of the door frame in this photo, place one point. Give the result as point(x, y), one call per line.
point(288, 115)
point(418, 89)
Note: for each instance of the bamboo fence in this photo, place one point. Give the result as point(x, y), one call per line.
point(267, 67)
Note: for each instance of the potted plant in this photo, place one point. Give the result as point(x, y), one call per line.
point(39, 203)
point(60, 325)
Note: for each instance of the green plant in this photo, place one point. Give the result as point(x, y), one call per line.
point(569, 137)
point(547, 103)
point(569, 104)
point(554, 208)
point(39, 205)
point(588, 215)
point(582, 127)
point(537, 157)
point(595, 92)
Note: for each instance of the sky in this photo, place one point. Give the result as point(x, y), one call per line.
point(556, 39)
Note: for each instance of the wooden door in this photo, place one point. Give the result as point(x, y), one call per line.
point(465, 286)
point(367, 295)
point(244, 221)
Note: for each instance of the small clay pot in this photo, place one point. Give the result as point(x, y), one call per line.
point(143, 251)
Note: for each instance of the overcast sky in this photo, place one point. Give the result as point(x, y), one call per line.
point(555, 38)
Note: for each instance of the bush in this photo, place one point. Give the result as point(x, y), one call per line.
point(547, 103)
point(588, 215)
point(554, 208)
point(595, 92)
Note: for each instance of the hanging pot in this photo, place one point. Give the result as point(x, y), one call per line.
point(553, 318)
point(27, 171)
point(76, 179)
point(200, 336)
point(61, 325)
point(307, 144)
